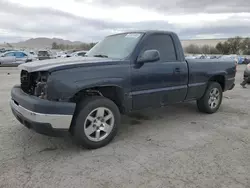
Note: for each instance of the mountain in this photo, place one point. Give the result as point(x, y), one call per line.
point(43, 42)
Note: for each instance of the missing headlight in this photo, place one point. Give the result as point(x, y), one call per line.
point(41, 90)
point(41, 85)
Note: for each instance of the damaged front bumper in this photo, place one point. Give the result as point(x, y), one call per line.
point(46, 117)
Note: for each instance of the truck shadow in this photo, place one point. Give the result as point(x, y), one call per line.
point(160, 113)
point(133, 123)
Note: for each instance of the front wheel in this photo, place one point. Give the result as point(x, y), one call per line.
point(96, 122)
point(211, 100)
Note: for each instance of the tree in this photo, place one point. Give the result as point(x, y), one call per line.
point(226, 48)
point(193, 49)
point(223, 48)
point(92, 44)
point(82, 46)
point(85, 46)
point(213, 50)
point(205, 49)
point(245, 46)
point(234, 44)
point(220, 47)
point(54, 45)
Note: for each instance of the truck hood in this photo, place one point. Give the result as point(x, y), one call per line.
point(63, 63)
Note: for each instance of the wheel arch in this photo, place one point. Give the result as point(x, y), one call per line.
point(112, 92)
point(219, 78)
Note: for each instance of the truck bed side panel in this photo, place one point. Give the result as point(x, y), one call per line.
point(200, 71)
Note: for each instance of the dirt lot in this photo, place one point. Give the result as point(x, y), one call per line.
point(174, 146)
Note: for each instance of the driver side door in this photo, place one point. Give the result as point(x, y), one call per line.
point(162, 82)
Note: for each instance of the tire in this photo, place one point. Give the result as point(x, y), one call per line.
point(204, 104)
point(86, 126)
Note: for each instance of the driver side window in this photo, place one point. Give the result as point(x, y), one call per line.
point(164, 44)
point(20, 55)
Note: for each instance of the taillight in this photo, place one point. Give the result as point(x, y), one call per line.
point(236, 65)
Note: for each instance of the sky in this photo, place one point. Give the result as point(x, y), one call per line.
point(92, 20)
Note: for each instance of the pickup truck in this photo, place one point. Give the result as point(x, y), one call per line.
point(84, 96)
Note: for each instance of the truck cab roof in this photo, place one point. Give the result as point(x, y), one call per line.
point(146, 32)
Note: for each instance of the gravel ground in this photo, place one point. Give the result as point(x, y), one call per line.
point(174, 146)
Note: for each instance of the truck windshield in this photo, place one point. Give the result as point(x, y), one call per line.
point(116, 46)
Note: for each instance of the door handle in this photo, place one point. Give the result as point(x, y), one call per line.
point(177, 70)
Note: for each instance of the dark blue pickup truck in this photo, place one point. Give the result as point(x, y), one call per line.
point(85, 96)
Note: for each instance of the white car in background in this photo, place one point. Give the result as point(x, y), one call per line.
point(61, 54)
point(78, 53)
point(16, 57)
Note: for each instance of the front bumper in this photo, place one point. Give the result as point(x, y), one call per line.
point(45, 117)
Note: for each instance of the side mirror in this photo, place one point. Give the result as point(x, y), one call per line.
point(149, 56)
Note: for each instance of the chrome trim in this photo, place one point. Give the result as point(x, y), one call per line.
point(157, 90)
point(229, 79)
point(56, 121)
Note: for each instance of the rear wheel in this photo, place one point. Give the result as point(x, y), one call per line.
point(211, 100)
point(96, 122)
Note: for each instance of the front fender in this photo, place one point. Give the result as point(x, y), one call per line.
point(99, 82)
point(64, 90)
point(64, 84)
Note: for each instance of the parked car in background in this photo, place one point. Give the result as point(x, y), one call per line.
point(61, 54)
point(75, 53)
point(202, 56)
point(190, 57)
point(240, 60)
point(78, 53)
point(232, 57)
point(246, 61)
point(32, 53)
point(213, 57)
point(45, 54)
point(16, 57)
point(3, 50)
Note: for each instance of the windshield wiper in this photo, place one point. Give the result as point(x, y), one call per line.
point(100, 55)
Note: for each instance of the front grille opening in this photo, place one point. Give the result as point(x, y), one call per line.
point(29, 81)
